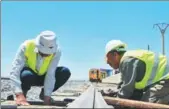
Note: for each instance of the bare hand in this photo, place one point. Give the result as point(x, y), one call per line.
point(47, 100)
point(21, 100)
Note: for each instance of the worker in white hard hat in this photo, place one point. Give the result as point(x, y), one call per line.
point(140, 70)
point(36, 64)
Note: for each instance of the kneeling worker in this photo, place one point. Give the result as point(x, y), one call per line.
point(140, 70)
point(36, 64)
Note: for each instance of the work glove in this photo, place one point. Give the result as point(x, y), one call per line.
point(119, 85)
point(109, 92)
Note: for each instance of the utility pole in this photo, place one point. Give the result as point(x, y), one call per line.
point(162, 27)
point(148, 47)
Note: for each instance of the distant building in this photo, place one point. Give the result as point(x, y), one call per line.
point(108, 71)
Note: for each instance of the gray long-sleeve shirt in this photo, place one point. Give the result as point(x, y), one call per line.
point(132, 70)
point(19, 63)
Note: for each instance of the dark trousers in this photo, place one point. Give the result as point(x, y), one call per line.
point(30, 78)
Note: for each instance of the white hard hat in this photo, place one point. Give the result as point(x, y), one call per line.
point(46, 42)
point(114, 45)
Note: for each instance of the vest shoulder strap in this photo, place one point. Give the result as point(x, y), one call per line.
point(136, 53)
point(28, 42)
point(29, 45)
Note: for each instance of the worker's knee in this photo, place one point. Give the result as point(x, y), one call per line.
point(28, 79)
point(67, 72)
point(27, 75)
point(62, 75)
point(63, 72)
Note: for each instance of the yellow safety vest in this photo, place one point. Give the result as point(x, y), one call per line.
point(31, 56)
point(157, 67)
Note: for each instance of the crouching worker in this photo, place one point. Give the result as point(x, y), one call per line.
point(140, 71)
point(36, 64)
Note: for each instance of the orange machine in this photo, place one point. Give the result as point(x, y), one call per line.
point(96, 75)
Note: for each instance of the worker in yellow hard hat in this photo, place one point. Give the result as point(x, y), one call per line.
point(36, 64)
point(140, 71)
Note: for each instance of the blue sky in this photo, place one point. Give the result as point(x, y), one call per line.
point(83, 29)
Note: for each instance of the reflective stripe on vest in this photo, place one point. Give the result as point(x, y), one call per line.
point(154, 70)
point(162, 68)
point(156, 67)
point(31, 58)
point(166, 71)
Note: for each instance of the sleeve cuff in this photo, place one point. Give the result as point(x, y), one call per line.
point(16, 87)
point(17, 90)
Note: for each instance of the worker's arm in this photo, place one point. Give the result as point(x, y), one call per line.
point(50, 76)
point(128, 69)
point(17, 66)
